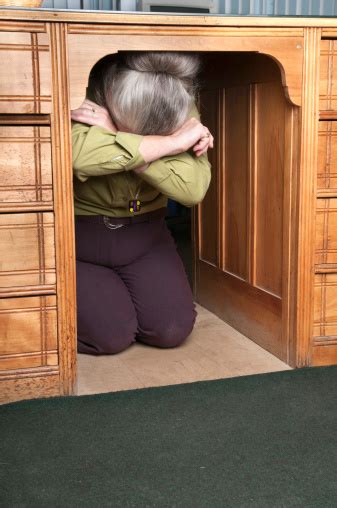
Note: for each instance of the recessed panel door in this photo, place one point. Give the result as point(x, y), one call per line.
point(242, 227)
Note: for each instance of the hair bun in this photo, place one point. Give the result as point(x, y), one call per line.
point(184, 66)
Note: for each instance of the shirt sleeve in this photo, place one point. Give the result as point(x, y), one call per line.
point(96, 151)
point(184, 178)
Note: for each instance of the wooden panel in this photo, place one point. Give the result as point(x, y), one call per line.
point(25, 167)
point(85, 49)
point(27, 252)
point(210, 106)
point(325, 305)
point(25, 73)
point(64, 209)
point(272, 25)
point(326, 233)
point(237, 132)
point(328, 74)
point(324, 345)
point(253, 312)
point(324, 354)
point(303, 244)
point(29, 385)
point(327, 158)
point(270, 134)
point(28, 332)
point(255, 217)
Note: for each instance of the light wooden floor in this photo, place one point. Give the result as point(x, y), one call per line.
point(214, 350)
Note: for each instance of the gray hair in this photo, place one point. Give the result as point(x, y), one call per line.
point(149, 92)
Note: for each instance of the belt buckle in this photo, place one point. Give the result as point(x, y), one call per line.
point(107, 224)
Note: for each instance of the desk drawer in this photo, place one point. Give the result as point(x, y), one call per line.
point(25, 73)
point(327, 158)
point(28, 332)
point(325, 305)
point(326, 234)
point(27, 253)
point(25, 168)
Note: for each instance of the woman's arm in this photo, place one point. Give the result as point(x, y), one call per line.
point(163, 161)
point(97, 151)
point(184, 178)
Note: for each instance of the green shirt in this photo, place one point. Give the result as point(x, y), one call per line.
point(104, 182)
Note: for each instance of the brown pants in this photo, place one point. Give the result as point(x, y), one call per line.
point(131, 285)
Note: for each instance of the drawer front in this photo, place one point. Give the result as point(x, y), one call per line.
point(28, 332)
point(27, 252)
point(324, 351)
point(327, 158)
point(326, 233)
point(325, 305)
point(25, 168)
point(328, 76)
point(25, 73)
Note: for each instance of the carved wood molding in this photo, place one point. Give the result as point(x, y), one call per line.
point(17, 26)
point(196, 31)
point(63, 206)
point(288, 54)
point(307, 187)
point(165, 19)
point(29, 386)
point(22, 119)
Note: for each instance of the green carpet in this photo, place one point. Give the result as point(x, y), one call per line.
point(268, 440)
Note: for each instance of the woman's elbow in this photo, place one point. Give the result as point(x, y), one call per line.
point(200, 189)
point(195, 196)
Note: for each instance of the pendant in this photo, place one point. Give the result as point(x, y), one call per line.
point(134, 205)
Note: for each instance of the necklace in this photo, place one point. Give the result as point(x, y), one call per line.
point(134, 203)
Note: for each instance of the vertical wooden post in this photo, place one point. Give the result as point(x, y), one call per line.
point(63, 208)
point(301, 354)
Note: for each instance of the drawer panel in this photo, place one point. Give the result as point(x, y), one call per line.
point(25, 167)
point(325, 305)
point(326, 232)
point(328, 75)
point(327, 158)
point(25, 73)
point(27, 251)
point(28, 332)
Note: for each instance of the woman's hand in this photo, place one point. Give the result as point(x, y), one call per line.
point(192, 134)
point(92, 114)
point(204, 144)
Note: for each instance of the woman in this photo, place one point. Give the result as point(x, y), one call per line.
point(137, 141)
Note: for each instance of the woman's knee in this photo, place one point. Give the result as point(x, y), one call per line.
point(108, 341)
point(172, 333)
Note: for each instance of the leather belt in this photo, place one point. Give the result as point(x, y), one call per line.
point(118, 222)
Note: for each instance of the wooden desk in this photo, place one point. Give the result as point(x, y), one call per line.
point(265, 237)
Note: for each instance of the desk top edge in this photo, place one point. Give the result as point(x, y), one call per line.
point(103, 17)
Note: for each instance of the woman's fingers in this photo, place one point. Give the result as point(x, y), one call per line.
point(200, 151)
point(84, 116)
point(203, 145)
point(93, 114)
point(190, 134)
point(90, 108)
